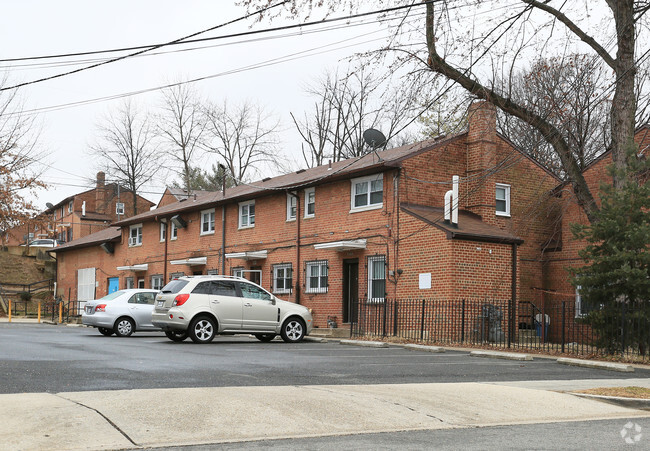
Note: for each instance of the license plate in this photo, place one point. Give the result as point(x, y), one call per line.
point(161, 303)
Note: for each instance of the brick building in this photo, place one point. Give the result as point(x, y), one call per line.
point(81, 214)
point(365, 228)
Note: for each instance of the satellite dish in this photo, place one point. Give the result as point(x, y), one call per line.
point(49, 205)
point(374, 138)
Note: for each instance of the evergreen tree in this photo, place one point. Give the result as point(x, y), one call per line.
point(615, 280)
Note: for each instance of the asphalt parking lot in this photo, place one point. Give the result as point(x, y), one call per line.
point(46, 358)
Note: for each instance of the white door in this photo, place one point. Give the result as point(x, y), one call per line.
point(85, 287)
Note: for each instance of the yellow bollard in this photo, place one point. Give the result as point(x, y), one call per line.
point(60, 312)
point(9, 310)
point(39, 312)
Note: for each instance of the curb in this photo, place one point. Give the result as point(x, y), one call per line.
point(597, 365)
point(501, 355)
point(365, 344)
point(315, 339)
point(424, 348)
point(632, 403)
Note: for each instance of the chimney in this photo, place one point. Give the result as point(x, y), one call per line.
point(100, 193)
point(481, 160)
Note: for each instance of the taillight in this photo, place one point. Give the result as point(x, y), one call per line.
point(180, 300)
point(100, 308)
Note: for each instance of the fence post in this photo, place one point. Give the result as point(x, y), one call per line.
point(563, 324)
point(9, 310)
point(422, 322)
point(623, 329)
point(60, 312)
point(383, 334)
point(395, 319)
point(39, 312)
point(462, 322)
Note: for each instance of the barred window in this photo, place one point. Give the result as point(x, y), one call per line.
point(317, 277)
point(377, 278)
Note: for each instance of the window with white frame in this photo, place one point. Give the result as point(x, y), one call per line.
point(135, 235)
point(502, 199)
point(212, 272)
point(310, 202)
point(367, 192)
point(140, 283)
point(207, 222)
point(238, 272)
point(176, 275)
point(376, 278)
point(157, 282)
point(317, 277)
point(70, 206)
point(174, 232)
point(163, 231)
point(582, 306)
point(282, 278)
point(130, 283)
point(247, 214)
point(292, 202)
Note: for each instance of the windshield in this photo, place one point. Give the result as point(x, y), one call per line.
point(111, 296)
point(174, 286)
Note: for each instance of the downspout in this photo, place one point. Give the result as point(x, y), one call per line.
point(298, 267)
point(223, 220)
point(168, 231)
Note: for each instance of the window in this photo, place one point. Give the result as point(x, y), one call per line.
point(156, 282)
point(207, 222)
point(212, 272)
point(135, 235)
point(502, 200)
point(176, 275)
point(582, 306)
point(140, 283)
point(174, 233)
point(282, 278)
point(247, 215)
point(252, 292)
point(317, 277)
point(70, 206)
point(367, 192)
point(238, 272)
point(310, 202)
point(216, 288)
point(69, 235)
point(130, 283)
point(292, 202)
point(376, 278)
point(55, 215)
point(163, 231)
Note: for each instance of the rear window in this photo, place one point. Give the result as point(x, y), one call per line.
point(174, 286)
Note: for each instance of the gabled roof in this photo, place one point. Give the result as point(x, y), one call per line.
point(470, 225)
point(373, 162)
point(94, 239)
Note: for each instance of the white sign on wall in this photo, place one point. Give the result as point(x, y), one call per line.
point(425, 281)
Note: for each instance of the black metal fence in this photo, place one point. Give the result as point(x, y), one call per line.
point(555, 328)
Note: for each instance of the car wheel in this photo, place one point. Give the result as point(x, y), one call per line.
point(265, 337)
point(124, 327)
point(105, 331)
point(293, 330)
point(202, 330)
point(176, 336)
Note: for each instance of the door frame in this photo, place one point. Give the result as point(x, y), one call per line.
point(350, 298)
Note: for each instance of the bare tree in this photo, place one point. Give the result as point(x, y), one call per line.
point(181, 126)
point(506, 37)
point(566, 91)
point(127, 149)
point(244, 137)
point(20, 158)
point(347, 106)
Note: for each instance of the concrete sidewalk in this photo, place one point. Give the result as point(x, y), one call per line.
point(128, 419)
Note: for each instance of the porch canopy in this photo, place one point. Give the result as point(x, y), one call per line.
point(342, 246)
point(250, 255)
point(194, 261)
point(136, 268)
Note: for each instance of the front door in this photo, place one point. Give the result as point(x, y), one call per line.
point(113, 284)
point(350, 290)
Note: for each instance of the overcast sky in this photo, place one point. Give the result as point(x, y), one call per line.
point(30, 28)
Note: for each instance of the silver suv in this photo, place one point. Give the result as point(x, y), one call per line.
point(203, 306)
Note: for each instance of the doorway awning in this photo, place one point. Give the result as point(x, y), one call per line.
point(141, 267)
point(251, 255)
point(194, 261)
point(341, 246)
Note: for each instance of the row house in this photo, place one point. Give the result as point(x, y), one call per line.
point(459, 217)
point(81, 214)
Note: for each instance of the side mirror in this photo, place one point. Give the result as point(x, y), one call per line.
point(273, 300)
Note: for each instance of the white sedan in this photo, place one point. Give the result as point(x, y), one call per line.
point(121, 312)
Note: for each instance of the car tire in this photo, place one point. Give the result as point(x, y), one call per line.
point(105, 331)
point(176, 336)
point(124, 327)
point(202, 329)
point(293, 330)
point(265, 337)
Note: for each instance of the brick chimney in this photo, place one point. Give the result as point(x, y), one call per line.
point(100, 193)
point(481, 160)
